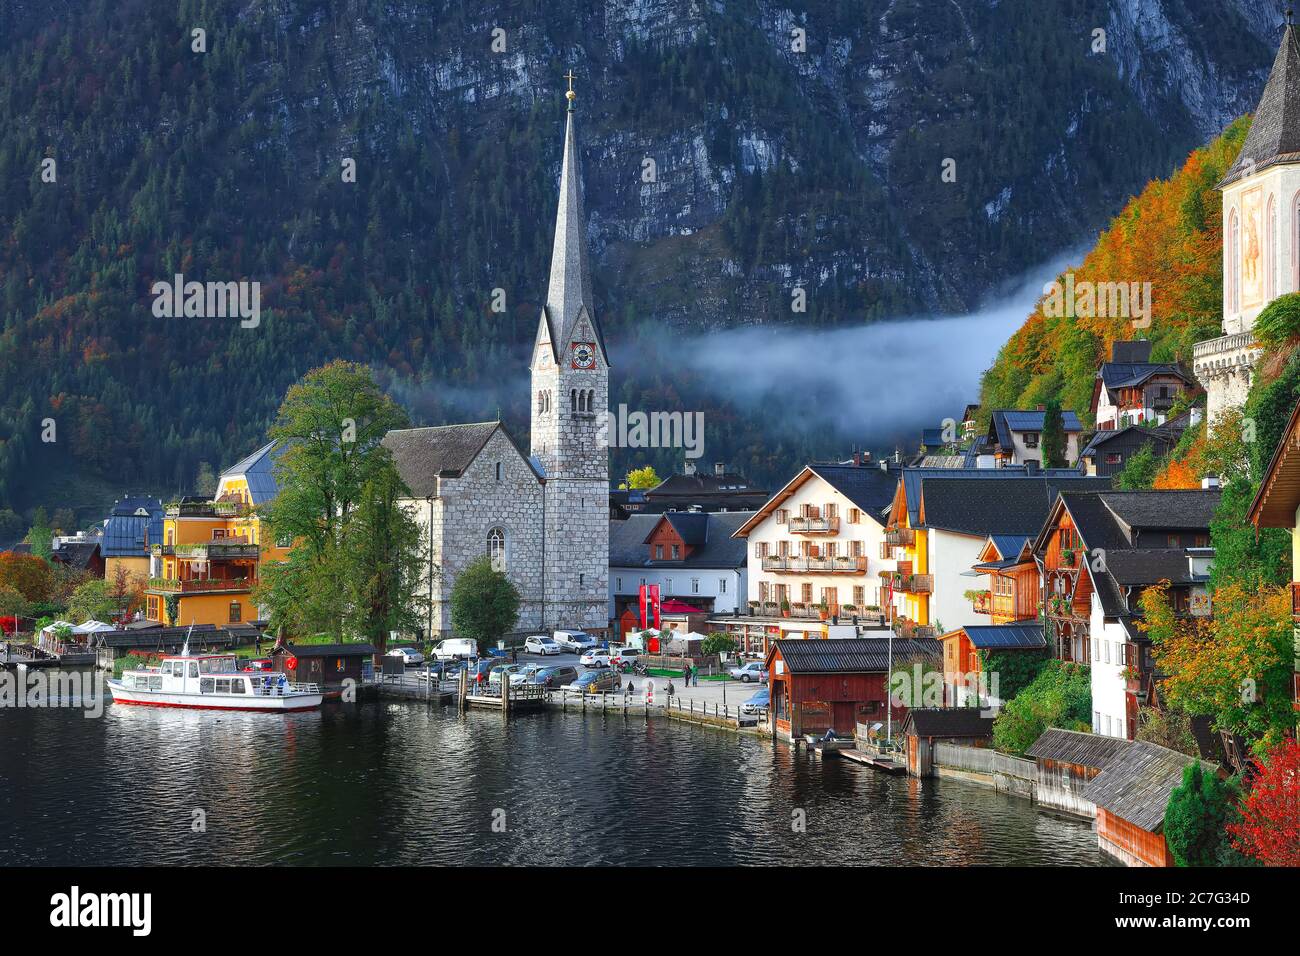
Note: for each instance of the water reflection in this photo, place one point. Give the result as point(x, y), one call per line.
point(399, 783)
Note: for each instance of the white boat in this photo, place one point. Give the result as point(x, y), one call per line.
point(212, 682)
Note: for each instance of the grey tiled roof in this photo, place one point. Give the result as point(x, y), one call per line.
point(1275, 132)
point(258, 469)
point(1014, 505)
point(129, 523)
point(627, 547)
point(1131, 374)
point(870, 487)
point(852, 655)
point(947, 722)
point(1078, 748)
point(1136, 784)
point(422, 454)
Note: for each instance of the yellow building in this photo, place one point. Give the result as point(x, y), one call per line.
point(211, 550)
point(906, 590)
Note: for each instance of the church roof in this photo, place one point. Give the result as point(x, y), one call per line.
point(1275, 131)
point(569, 293)
point(422, 455)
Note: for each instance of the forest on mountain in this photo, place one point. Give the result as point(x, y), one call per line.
point(777, 170)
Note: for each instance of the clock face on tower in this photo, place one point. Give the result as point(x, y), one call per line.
point(584, 355)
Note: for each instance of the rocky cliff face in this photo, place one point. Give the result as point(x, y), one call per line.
point(734, 152)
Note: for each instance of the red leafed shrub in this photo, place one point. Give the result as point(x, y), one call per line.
point(1269, 829)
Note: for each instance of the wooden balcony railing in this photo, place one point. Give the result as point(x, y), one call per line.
point(904, 537)
point(814, 525)
point(201, 586)
point(809, 565)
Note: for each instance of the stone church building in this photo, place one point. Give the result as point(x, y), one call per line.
point(1261, 233)
point(542, 515)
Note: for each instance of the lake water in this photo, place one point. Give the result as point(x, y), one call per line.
point(399, 783)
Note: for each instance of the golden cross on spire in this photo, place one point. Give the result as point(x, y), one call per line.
point(570, 96)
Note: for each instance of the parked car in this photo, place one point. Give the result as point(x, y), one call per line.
point(595, 682)
point(455, 648)
point(482, 668)
point(750, 670)
point(557, 676)
point(758, 703)
point(542, 644)
point(525, 674)
point(508, 670)
point(409, 655)
point(575, 641)
point(624, 656)
point(260, 664)
point(595, 658)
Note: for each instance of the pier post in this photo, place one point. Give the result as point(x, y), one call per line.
point(505, 694)
point(463, 702)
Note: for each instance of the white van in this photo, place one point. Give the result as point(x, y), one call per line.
point(574, 641)
point(454, 648)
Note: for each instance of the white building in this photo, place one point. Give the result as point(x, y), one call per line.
point(1261, 229)
point(692, 556)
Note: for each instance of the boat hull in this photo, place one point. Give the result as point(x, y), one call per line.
point(288, 703)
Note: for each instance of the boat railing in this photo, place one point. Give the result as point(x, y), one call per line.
point(278, 690)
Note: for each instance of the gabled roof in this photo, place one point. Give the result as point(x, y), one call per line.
point(1008, 420)
point(1020, 635)
point(258, 470)
point(1162, 438)
point(423, 454)
point(910, 486)
point(1275, 132)
point(1077, 747)
point(1132, 374)
point(1012, 506)
point(947, 722)
point(1137, 782)
point(76, 554)
point(691, 526)
point(854, 655)
point(869, 487)
point(719, 549)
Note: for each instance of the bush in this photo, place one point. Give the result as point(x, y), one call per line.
point(719, 642)
point(1195, 817)
point(1279, 324)
point(1060, 696)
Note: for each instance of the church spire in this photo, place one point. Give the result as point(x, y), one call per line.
point(569, 292)
point(1275, 131)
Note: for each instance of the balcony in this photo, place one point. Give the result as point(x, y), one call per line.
point(901, 537)
point(913, 583)
point(981, 601)
point(208, 509)
point(910, 629)
point(808, 565)
point(201, 586)
point(224, 549)
point(814, 525)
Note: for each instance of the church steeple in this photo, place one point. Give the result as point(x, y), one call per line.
point(1275, 131)
point(568, 294)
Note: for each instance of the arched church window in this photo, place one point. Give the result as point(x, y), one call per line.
point(573, 399)
point(541, 402)
point(497, 548)
point(498, 471)
point(591, 399)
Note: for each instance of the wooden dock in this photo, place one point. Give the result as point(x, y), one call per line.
point(414, 686)
point(875, 761)
point(507, 700)
point(30, 656)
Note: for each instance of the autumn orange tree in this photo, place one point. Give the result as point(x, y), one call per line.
point(1235, 667)
point(1269, 824)
point(27, 574)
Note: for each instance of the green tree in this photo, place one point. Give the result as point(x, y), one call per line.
point(1053, 437)
point(331, 425)
point(91, 599)
point(718, 642)
point(1060, 696)
point(11, 524)
point(205, 482)
point(40, 536)
point(389, 557)
point(172, 605)
point(640, 478)
point(1139, 472)
point(64, 521)
point(484, 604)
point(1196, 816)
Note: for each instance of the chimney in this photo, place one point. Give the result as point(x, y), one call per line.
point(1209, 482)
point(719, 469)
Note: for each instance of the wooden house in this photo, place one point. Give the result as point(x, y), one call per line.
point(965, 683)
point(1130, 389)
point(1130, 795)
point(326, 664)
point(837, 684)
point(1013, 593)
point(968, 726)
point(1068, 761)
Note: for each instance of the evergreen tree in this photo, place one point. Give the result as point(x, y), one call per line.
point(40, 536)
point(1053, 437)
point(1195, 817)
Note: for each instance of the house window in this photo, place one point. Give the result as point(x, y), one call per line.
point(806, 593)
point(762, 591)
point(659, 552)
point(854, 516)
point(677, 552)
point(236, 610)
point(856, 549)
point(496, 543)
point(668, 585)
point(618, 584)
point(1114, 458)
point(831, 511)
point(859, 595)
point(722, 585)
point(1031, 439)
point(780, 515)
point(831, 598)
point(695, 585)
point(1172, 540)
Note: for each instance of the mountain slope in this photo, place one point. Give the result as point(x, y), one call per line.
point(774, 169)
